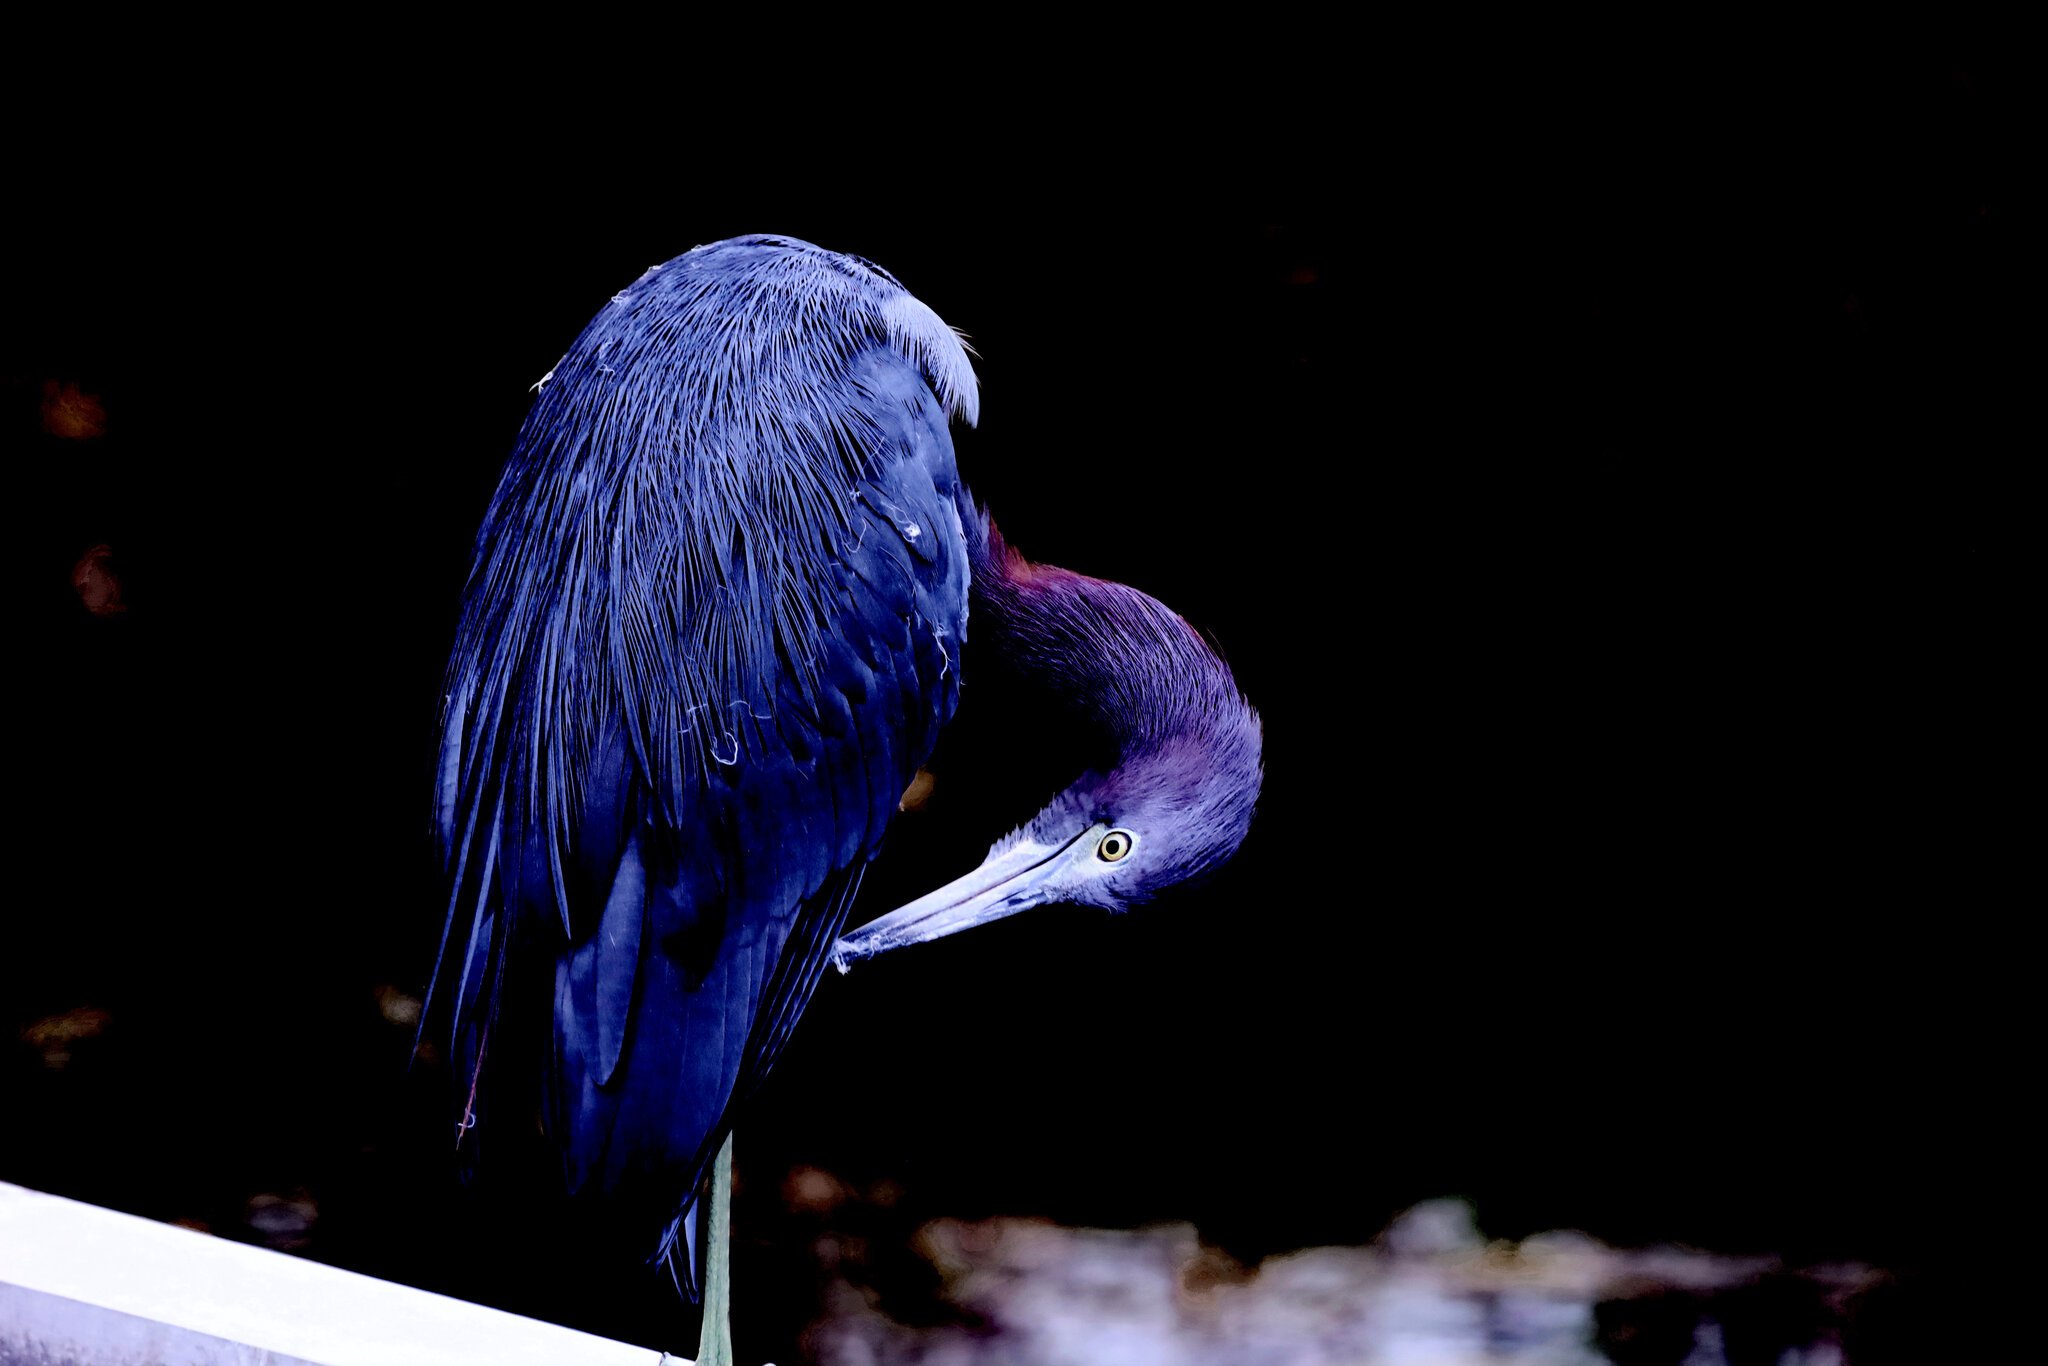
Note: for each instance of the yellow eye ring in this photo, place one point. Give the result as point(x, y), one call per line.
point(1115, 846)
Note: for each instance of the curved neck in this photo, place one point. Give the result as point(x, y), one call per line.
point(1104, 652)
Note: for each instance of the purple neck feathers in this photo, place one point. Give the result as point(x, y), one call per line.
point(1110, 655)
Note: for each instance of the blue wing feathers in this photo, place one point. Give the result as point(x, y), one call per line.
point(614, 954)
point(707, 640)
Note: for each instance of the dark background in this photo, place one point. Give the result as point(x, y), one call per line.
point(1608, 494)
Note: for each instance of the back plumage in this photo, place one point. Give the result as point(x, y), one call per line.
point(708, 637)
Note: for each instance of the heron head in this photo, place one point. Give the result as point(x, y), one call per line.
point(1174, 805)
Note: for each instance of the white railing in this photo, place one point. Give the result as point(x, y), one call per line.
point(87, 1285)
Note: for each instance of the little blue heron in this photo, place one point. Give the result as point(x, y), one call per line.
point(719, 610)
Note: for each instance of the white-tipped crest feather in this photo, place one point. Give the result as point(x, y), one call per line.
point(923, 337)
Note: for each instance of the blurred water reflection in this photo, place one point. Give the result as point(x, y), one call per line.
point(1430, 1291)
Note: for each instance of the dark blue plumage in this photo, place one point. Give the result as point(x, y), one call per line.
point(715, 623)
point(706, 643)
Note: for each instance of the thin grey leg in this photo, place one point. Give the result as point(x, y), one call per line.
point(714, 1339)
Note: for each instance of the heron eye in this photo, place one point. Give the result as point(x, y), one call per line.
point(1114, 846)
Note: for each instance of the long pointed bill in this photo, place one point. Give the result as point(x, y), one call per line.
point(1020, 877)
